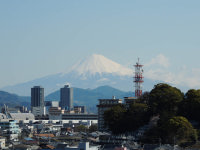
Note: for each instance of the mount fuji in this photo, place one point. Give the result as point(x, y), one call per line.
point(98, 64)
point(91, 72)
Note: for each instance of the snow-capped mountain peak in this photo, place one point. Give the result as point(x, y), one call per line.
point(99, 64)
point(91, 72)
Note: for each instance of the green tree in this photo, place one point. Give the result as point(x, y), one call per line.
point(81, 128)
point(114, 119)
point(137, 115)
point(164, 100)
point(144, 98)
point(190, 106)
point(177, 129)
point(93, 128)
point(120, 120)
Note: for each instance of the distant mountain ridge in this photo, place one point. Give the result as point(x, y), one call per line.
point(92, 72)
point(89, 97)
point(13, 99)
point(86, 97)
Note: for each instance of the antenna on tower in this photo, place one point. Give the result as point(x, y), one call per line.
point(138, 79)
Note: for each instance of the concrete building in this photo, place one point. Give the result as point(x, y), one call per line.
point(66, 98)
point(39, 111)
point(80, 109)
point(105, 104)
point(37, 96)
point(10, 129)
point(79, 117)
point(16, 116)
point(55, 113)
point(49, 104)
point(129, 100)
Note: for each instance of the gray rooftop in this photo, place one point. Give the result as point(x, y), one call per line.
point(22, 116)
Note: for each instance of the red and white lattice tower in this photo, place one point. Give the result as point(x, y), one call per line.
point(138, 79)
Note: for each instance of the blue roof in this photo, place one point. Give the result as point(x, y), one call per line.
point(28, 139)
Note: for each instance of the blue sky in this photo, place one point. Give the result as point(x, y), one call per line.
point(43, 37)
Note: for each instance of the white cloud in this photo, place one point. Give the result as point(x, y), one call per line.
point(158, 69)
point(160, 60)
point(103, 80)
point(160, 74)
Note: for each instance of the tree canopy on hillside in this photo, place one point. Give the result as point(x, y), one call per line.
point(167, 103)
point(119, 119)
point(114, 119)
point(190, 106)
point(164, 99)
point(177, 128)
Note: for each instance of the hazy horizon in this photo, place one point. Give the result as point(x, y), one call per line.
point(40, 38)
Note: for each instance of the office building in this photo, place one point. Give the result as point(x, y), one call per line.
point(66, 98)
point(37, 96)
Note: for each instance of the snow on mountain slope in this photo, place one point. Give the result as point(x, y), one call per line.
point(99, 64)
point(94, 71)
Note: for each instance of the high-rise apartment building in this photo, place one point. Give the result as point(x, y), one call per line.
point(37, 96)
point(66, 98)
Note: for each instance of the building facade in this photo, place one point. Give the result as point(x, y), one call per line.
point(39, 111)
point(129, 100)
point(10, 129)
point(79, 117)
point(66, 98)
point(80, 109)
point(49, 104)
point(37, 96)
point(55, 113)
point(105, 104)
